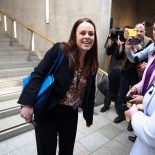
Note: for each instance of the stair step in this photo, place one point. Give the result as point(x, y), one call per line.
point(17, 58)
point(10, 111)
point(14, 43)
point(10, 93)
point(4, 39)
point(9, 90)
point(15, 72)
point(8, 122)
point(13, 126)
point(9, 96)
point(9, 104)
point(14, 52)
point(5, 47)
point(17, 64)
point(11, 81)
point(4, 35)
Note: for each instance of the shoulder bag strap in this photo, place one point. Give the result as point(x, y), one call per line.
point(57, 61)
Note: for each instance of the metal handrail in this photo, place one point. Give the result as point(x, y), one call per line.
point(102, 73)
point(29, 28)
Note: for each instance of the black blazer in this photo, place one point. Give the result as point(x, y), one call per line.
point(63, 80)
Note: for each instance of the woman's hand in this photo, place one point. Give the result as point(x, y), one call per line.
point(27, 113)
point(129, 47)
point(132, 91)
point(121, 45)
point(137, 99)
point(133, 48)
point(138, 47)
point(142, 66)
point(140, 107)
point(129, 113)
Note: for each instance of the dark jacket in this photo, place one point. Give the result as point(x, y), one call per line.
point(113, 50)
point(63, 80)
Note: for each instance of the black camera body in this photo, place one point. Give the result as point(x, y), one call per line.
point(115, 32)
point(128, 98)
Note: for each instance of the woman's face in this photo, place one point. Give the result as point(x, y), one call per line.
point(85, 36)
point(154, 31)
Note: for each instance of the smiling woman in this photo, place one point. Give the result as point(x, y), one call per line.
point(74, 87)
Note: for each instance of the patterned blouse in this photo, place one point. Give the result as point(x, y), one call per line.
point(76, 90)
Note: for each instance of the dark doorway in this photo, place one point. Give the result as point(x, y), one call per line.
point(125, 12)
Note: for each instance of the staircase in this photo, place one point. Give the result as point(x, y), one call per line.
point(14, 65)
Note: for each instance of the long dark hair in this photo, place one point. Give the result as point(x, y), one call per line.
point(91, 59)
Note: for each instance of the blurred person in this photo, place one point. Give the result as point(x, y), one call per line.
point(144, 54)
point(113, 49)
point(137, 89)
point(144, 42)
point(143, 124)
point(126, 68)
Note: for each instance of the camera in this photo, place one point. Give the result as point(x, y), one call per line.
point(115, 32)
point(128, 98)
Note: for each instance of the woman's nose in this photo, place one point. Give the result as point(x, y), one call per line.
point(86, 35)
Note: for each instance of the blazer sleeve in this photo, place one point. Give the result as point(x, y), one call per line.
point(144, 127)
point(30, 91)
point(88, 104)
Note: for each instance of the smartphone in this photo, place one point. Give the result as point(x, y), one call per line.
point(134, 41)
point(132, 32)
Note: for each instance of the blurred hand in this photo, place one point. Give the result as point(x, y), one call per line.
point(138, 47)
point(129, 47)
point(120, 44)
point(137, 99)
point(142, 66)
point(119, 41)
point(140, 107)
point(27, 113)
point(132, 91)
point(129, 113)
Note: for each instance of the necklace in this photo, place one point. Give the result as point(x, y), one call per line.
point(79, 73)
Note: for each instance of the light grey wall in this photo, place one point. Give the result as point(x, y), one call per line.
point(63, 14)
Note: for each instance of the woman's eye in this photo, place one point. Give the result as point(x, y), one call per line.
point(83, 33)
point(91, 34)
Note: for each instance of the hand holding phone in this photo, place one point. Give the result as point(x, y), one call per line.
point(134, 41)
